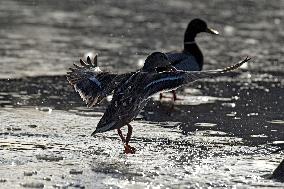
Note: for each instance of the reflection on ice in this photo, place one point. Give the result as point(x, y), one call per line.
point(276, 121)
point(260, 136)
point(220, 135)
point(164, 154)
point(228, 104)
point(205, 124)
point(192, 100)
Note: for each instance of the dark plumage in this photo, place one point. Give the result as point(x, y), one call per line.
point(132, 90)
point(190, 58)
point(131, 96)
point(93, 85)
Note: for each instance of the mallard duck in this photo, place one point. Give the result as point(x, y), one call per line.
point(93, 85)
point(131, 94)
point(191, 57)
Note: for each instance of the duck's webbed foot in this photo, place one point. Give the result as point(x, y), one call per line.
point(128, 149)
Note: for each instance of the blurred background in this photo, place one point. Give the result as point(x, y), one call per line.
point(43, 37)
point(221, 134)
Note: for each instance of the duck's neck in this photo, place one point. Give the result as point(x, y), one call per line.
point(192, 48)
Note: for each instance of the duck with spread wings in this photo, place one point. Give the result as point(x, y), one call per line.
point(131, 91)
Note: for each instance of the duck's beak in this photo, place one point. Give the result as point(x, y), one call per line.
point(212, 31)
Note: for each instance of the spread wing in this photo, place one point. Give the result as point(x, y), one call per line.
point(131, 96)
point(171, 80)
point(91, 83)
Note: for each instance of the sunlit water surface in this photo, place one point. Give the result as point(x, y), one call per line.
point(222, 133)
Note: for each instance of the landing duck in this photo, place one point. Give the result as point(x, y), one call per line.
point(131, 93)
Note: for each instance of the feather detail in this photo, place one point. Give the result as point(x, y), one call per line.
point(84, 80)
point(96, 61)
point(89, 61)
point(92, 84)
point(235, 66)
point(83, 63)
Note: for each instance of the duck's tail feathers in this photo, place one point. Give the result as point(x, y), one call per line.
point(103, 128)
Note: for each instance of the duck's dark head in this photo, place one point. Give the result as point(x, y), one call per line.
point(155, 60)
point(196, 26)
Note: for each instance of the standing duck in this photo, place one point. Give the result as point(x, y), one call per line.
point(191, 57)
point(131, 94)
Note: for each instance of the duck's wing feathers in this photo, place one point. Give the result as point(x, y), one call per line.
point(172, 80)
point(91, 83)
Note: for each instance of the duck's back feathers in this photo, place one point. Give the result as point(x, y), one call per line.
point(183, 61)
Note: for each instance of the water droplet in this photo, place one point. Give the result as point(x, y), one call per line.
point(252, 114)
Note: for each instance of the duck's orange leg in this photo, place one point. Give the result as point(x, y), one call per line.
point(119, 132)
point(161, 96)
point(127, 148)
point(175, 96)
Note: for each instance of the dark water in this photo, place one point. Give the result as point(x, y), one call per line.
point(221, 134)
